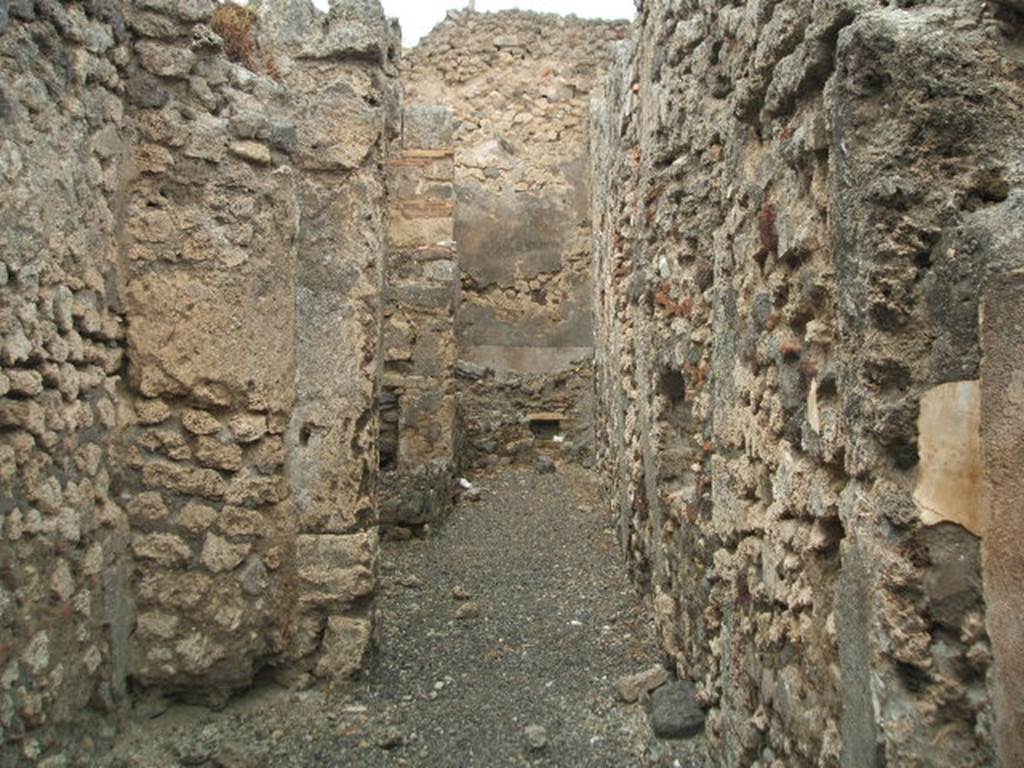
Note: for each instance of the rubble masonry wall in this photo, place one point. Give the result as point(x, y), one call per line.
point(792, 205)
point(518, 86)
point(191, 319)
point(418, 425)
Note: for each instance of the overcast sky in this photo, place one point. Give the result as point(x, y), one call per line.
point(419, 16)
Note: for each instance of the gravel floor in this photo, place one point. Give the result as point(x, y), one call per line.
point(515, 616)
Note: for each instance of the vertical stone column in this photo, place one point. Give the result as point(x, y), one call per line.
point(1002, 438)
point(337, 68)
point(208, 265)
point(421, 294)
point(253, 259)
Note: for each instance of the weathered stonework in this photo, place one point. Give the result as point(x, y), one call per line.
point(252, 307)
point(418, 437)
point(510, 417)
point(254, 337)
point(209, 268)
point(65, 604)
point(518, 85)
point(191, 322)
point(999, 233)
point(785, 273)
point(342, 69)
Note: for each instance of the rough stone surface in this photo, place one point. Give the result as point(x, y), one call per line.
point(522, 416)
point(417, 399)
point(631, 687)
point(786, 267)
point(65, 607)
point(999, 231)
point(536, 737)
point(346, 641)
point(252, 307)
point(517, 85)
point(165, 297)
point(675, 712)
point(237, 328)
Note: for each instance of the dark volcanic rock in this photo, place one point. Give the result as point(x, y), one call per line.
point(675, 713)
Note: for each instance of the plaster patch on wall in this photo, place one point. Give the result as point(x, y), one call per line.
point(949, 475)
point(813, 414)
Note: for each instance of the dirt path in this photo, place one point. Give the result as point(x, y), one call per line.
point(515, 614)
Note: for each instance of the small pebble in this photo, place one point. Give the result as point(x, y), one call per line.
point(630, 687)
point(536, 737)
point(390, 737)
point(545, 466)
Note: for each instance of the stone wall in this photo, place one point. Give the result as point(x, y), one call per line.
point(518, 86)
point(510, 417)
point(209, 273)
point(418, 438)
point(64, 598)
point(787, 199)
point(191, 321)
point(999, 231)
point(805, 265)
point(340, 69)
point(253, 272)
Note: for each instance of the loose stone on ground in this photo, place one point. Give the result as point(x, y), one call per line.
point(675, 712)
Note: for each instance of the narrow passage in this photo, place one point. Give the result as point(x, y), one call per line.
point(501, 637)
point(516, 615)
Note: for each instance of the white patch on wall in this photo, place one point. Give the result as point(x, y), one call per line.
point(949, 480)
